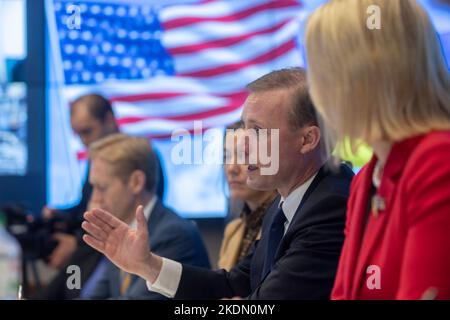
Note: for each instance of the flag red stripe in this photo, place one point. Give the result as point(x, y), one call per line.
point(220, 43)
point(185, 117)
point(168, 136)
point(287, 46)
point(181, 22)
point(168, 95)
point(83, 154)
point(147, 96)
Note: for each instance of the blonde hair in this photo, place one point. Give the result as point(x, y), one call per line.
point(377, 85)
point(127, 154)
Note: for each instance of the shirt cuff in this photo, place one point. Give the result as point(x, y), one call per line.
point(168, 279)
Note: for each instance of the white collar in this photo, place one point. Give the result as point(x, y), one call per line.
point(292, 201)
point(147, 211)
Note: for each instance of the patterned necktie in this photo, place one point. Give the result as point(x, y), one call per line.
point(125, 282)
point(276, 233)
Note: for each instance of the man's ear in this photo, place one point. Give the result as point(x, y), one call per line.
point(137, 181)
point(310, 139)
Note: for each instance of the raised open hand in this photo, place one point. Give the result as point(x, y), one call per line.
point(127, 248)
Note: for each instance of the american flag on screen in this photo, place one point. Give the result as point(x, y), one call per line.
point(164, 67)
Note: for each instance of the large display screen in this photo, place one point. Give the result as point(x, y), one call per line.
point(13, 90)
point(168, 66)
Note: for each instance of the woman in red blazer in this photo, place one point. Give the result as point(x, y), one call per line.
point(377, 74)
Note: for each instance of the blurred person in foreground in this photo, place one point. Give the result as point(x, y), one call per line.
point(241, 232)
point(302, 231)
point(389, 87)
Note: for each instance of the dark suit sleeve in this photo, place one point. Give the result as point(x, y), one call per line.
point(181, 242)
point(139, 291)
point(307, 269)
point(102, 289)
point(199, 283)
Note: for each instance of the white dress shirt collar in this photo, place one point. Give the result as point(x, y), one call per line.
point(292, 201)
point(147, 211)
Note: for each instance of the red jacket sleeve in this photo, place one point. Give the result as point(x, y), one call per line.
point(426, 261)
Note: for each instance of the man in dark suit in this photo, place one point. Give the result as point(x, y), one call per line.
point(303, 230)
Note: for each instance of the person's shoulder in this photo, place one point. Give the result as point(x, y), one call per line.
point(172, 223)
point(430, 158)
point(344, 172)
point(170, 216)
point(434, 144)
point(430, 154)
point(327, 199)
point(363, 172)
point(425, 181)
point(236, 222)
point(335, 179)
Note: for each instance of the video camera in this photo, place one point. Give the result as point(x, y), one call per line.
point(34, 233)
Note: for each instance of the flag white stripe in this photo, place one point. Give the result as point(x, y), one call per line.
point(209, 31)
point(209, 10)
point(169, 107)
point(247, 50)
point(250, 73)
point(153, 85)
point(163, 127)
point(222, 84)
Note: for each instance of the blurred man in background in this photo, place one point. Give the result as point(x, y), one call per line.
point(91, 118)
point(124, 175)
